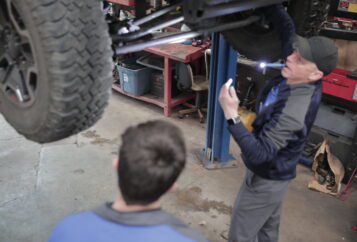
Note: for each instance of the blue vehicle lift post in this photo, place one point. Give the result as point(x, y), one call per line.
point(222, 67)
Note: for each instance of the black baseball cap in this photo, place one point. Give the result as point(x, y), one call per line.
point(319, 50)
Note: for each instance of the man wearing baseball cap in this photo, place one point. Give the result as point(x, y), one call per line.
point(286, 109)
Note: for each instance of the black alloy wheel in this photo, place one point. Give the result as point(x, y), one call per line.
point(18, 67)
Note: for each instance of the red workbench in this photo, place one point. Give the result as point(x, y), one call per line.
point(171, 52)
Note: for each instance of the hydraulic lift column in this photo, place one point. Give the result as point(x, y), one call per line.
point(222, 67)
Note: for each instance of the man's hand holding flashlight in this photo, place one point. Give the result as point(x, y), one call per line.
point(229, 100)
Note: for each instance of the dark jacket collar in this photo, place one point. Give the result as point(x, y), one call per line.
point(147, 218)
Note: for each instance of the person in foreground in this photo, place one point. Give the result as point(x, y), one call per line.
point(286, 109)
point(151, 158)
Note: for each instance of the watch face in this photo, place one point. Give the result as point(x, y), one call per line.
point(230, 121)
point(233, 121)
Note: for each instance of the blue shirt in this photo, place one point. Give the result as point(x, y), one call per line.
point(105, 224)
point(272, 95)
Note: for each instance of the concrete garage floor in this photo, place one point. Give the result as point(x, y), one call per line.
point(41, 184)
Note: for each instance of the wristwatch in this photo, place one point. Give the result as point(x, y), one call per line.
point(233, 121)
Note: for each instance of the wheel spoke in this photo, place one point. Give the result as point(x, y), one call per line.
point(4, 73)
point(10, 91)
point(26, 50)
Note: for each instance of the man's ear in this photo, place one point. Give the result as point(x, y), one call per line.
point(116, 163)
point(173, 187)
point(316, 75)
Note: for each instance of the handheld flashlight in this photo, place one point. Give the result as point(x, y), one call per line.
point(263, 65)
point(229, 83)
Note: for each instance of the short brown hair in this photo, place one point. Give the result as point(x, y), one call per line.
point(152, 156)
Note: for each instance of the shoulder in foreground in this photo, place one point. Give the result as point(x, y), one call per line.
point(74, 220)
point(182, 228)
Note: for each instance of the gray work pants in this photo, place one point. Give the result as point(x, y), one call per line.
point(256, 211)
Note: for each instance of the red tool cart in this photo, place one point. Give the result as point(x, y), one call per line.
point(123, 2)
point(338, 84)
